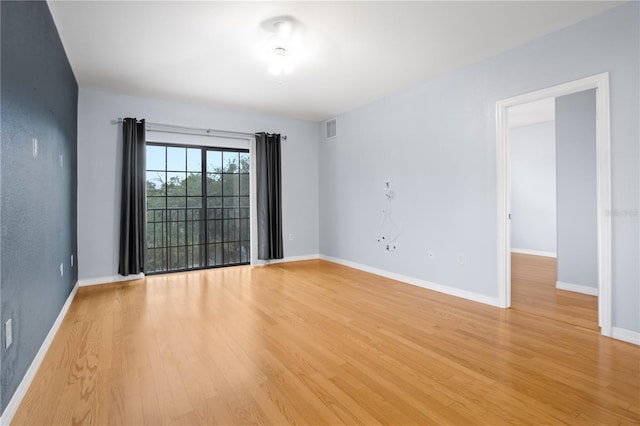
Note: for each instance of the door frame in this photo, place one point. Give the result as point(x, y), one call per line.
point(600, 82)
point(204, 138)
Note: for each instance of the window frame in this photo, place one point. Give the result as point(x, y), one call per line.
point(205, 244)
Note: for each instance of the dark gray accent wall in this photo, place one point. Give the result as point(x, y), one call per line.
point(38, 194)
point(576, 189)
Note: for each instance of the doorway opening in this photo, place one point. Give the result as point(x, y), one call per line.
point(553, 209)
point(603, 198)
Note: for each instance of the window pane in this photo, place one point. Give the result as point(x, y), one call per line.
point(245, 161)
point(173, 215)
point(181, 233)
point(231, 202)
point(214, 184)
point(155, 182)
point(150, 260)
point(244, 184)
point(198, 254)
point(172, 228)
point(176, 202)
point(214, 213)
point(159, 215)
point(244, 229)
point(230, 162)
point(245, 252)
point(218, 226)
point(156, 157)
point(232, 253)
point(159, 235)
point(230, 184)
point(233, 231)
point(194, 202)
point(194, 160)
point(211, 231)
point(176, 159)
point(194, 184)
point(193, 232)
point(177, 184)
point(173, 258)
point(225, 230)
point(214, 202)
point(155, 202)
point(150, 227)
point(214, 162)
point(211, 261)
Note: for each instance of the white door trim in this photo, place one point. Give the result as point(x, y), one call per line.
point(600, 82)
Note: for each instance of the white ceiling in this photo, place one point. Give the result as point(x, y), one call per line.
point(354, 52)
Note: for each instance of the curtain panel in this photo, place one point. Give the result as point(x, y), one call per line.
point(269, 196)
point(132, 254)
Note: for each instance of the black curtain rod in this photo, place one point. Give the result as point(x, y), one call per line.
point(171, 128)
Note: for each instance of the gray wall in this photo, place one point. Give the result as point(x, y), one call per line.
point(436, 144)
point(533, 187)
point(99, 152)
point(38, 212)
point(577, 188)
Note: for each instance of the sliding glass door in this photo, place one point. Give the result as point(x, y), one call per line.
point(198, 211)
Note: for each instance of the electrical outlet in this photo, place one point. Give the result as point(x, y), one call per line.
point(8, 334)
point(61, 160)
point(35, 147)
point(460, 258)
point(62, 269)
point(72, 261)
point(291, 237)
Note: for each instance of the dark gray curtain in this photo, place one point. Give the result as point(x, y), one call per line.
point(269, 196)
point(133, 205)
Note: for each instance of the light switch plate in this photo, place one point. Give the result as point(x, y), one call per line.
point(8, 334)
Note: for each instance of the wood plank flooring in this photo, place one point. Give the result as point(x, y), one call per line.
point(533, 290)
point(317, 343)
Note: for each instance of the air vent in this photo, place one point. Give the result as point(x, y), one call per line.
point(332, 128)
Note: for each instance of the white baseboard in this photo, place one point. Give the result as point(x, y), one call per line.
point(16, 399)
point(591, 291)
point(452, 291)
point(625, 335)
point(534, 252)
point(287, 259)
point(108, 280)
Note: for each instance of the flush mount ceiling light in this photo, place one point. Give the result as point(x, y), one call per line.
point(281, 62)
point(283, 43)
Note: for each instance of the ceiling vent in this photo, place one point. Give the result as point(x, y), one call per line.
point(332, 128)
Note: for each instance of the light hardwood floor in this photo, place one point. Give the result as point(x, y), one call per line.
point(533, 290)
point(317, 343)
